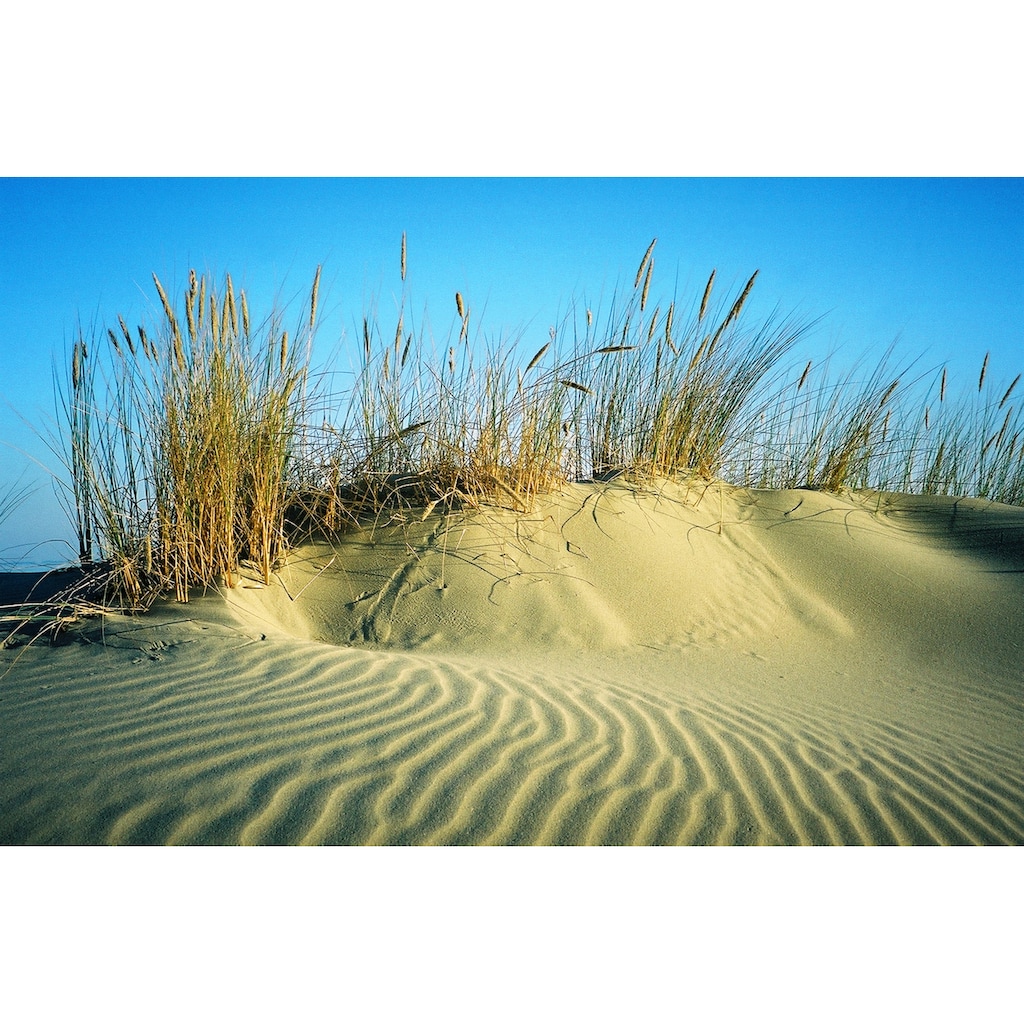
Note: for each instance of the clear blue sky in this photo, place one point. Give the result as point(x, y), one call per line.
point(937, 263)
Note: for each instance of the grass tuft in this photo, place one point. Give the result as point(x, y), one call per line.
point(190, 455)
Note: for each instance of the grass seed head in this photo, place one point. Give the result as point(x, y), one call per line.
point(172, 320)
point(889, 391)
point(643, 263)
point(225, 316)
point(232, 312)
point(201, 305)
point(707, 295)
point(126, 334)
point(315, 292)
point(1009, 391)
point(537, 358)
point(740, 302)
point(647, 284)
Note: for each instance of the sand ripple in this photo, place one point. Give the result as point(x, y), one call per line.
point(290, 742)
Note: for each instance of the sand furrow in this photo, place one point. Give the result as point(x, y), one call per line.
point(293, 742)
point(953, 789)
point(940, 805)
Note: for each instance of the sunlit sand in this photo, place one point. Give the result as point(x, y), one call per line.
point(668, 664)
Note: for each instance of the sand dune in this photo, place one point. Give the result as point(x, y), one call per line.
point(681, 664)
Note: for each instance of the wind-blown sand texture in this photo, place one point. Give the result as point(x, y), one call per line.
point(669, 664)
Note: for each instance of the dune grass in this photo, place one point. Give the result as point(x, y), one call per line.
point(177, 446)
point(208, 443)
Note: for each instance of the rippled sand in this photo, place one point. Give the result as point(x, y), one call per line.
point(675, 666)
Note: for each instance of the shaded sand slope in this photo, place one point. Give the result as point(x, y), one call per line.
point(674, 665)
point(609, 567)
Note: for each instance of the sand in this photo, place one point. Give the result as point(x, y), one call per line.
point(680, 663)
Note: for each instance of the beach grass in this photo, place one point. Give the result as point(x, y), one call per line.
point(207, 442)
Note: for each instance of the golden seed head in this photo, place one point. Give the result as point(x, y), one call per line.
point(707, 295)
point(647, 285)
point(313, 297)
point(458, 304)
point(643, 263)
point(653, 323)
point(743, 298)
point(127, 334)
point(537, 358)
point(190, 316)
point(202, 299)
point(168, 311)
point(1009, 391)
point(232, 313)
point(698, 355)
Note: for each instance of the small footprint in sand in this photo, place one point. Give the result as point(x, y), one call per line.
point(154, 650)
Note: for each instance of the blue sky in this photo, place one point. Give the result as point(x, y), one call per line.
point(936, 263)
